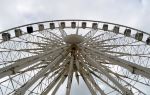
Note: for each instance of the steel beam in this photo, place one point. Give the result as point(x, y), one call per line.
point(90, 77)
point(30, 82)
point(62, 79)
point(87, 83)
point(132, 67)
point(18, 65)
point(95, 64)
point(63, 33)
point(53, 83)
point(70, 75)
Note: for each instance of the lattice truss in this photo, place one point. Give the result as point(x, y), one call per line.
point(109, 62)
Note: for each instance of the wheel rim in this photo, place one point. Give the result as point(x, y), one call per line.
point(108, 60)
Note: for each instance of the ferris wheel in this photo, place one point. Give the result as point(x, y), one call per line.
point(111, 59)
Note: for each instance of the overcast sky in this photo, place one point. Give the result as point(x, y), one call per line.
point(134, 13)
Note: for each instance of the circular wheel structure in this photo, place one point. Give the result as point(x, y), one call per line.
point(111, 59)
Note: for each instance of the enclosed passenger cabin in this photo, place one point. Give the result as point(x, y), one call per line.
point(127, 32)
point(73, 24)
point(148, 41)
point(83, 25)
point(105, 27)
point(52, 25)
point(63, 25)
point(41, 27)
point(116, 29)
point(94, 26)
point(5, 36)
point(29, 29)
point(139, 36)
point(18, 32)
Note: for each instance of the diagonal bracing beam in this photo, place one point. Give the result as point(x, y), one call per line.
point(53, 83)
point(70, 76)
point(90, 77)
point(87, 83)
point(30, 82)
point(18, 65)
point(132, 67)
point(95, 64)
point(63, 33)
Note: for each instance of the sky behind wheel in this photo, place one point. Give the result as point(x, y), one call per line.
point(134, 13)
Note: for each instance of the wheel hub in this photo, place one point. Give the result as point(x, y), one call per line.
point(74, 39)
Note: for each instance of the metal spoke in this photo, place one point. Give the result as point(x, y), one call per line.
point(42, 58)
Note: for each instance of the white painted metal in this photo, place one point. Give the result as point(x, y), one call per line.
point(63, 33)
point(132, 67)
point(95, 64)
point(70, 76)
point(53, 83)
point(38, 63)
point(62, 79)
point(91, 79)
point(23, 89)
point(14, 68)
point(87, 83)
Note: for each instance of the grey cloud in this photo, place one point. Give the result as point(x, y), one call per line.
point(127, 12)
